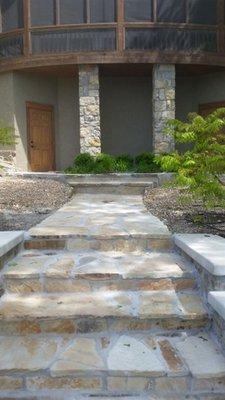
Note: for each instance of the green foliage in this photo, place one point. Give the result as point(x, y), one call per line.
point(7, 135)
point(104, 163)
point(124, 163)
point(146, 162)
point(199, 168)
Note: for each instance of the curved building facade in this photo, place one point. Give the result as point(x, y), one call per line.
point(105, 75)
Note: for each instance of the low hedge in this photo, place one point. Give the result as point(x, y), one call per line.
point(105, 163)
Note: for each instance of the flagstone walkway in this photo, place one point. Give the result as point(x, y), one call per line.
point(98, 303)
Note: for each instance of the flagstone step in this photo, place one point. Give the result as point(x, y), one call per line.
point(101, 311)
point(102, 222)
point(112, 364)
point(32, 272)
point(112, 187)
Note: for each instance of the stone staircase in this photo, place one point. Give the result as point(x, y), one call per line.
point(98, 303)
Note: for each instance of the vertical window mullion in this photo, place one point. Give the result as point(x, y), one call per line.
point(88, 12)
point(57, 12)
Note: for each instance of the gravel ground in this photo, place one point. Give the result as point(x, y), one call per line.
point(184, 216)
point(26, 202)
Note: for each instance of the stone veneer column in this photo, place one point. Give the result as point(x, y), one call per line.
point(163, 105)
point(90, 131)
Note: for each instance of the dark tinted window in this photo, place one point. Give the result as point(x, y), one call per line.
point(171, 40)
point(102, 10)
point(72, 11)
point(42, 12)
point(202, 11)
point(138, 10)
point(11, 46)
point(63, 41)
point(12, 14)
point(171, 10)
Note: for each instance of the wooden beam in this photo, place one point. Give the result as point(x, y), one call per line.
point(120, 26)
point(220, 26)
point(26, 36)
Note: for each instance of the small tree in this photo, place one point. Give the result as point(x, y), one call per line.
point(7, 135)
point(199, 168)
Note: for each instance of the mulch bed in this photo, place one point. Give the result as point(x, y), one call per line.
point(26, 202)
point(182, 213)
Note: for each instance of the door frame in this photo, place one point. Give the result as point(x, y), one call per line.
point(46, 107)
point(217, 104)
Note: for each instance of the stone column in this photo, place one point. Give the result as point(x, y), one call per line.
point(89, 104)
point(163, 106)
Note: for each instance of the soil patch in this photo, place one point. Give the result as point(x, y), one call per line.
point(189, 216)
point(26, 202)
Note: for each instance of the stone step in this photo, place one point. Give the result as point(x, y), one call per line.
point(117, 177)
point(102, 222)
point(112, 187)
point(153, 365)
point(39, 271)
point(165, 310)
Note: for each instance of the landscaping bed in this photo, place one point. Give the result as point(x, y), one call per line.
point(26, 202)
point(181, 216)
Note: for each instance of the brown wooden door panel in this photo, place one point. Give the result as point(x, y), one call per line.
point(206, 109)
point(40, 126)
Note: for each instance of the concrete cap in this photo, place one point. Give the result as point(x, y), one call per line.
point(206, 250)
point(9, 240)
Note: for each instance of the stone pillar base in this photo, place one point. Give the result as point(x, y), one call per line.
point(163, 106)
point(89, 104)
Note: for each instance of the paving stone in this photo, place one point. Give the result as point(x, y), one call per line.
point(99, 304)
point(79, 383)
point(23, 267)
point(124, 385)
point(209, 385)
point(132, 352)
point(163, 303)
point(171, 385)
point(10, 383)
point(203, 358)
point(62, 268)
point(23, 286)
point(26, 354)
point(80, 356)
point(174, 362)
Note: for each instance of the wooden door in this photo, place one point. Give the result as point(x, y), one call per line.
point(40, 136)
point(206, 109)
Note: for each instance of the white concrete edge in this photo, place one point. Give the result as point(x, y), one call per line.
point(217, 302)
point(9, 240)
point(202, 260)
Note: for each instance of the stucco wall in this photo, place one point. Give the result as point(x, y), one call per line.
point(68, 144)
point(193, 91)
point(6, 104)
point(210, 88)
point(126, 114)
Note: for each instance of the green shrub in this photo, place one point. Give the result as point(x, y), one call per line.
point(84, 164)
point(121, 166)
point(125, 163)
point(7, 135)
point(199, 168)
point(147, 162)
point(104, 163)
